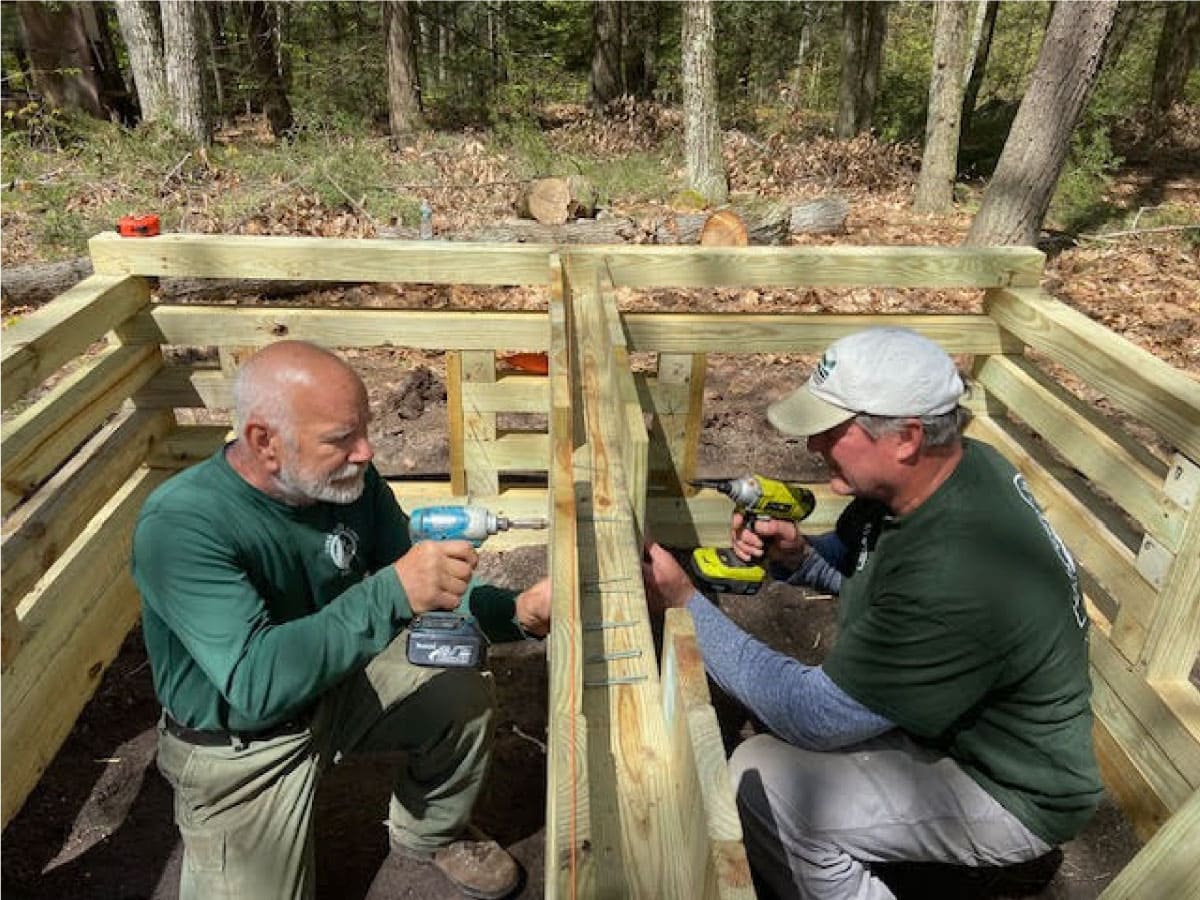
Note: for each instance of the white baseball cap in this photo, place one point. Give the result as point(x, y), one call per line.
point(881, 372)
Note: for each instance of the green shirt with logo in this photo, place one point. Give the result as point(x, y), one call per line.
point(963, 623)
point(252, 609)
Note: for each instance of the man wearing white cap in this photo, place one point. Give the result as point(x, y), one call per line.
point(951, 721)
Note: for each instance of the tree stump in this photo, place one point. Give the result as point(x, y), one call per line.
point(724, 228)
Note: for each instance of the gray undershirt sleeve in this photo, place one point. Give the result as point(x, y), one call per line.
point(799, 703)
point(820, 569)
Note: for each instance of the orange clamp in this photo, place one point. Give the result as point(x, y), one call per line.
point(138, 226)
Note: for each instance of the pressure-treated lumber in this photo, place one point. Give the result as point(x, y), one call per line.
point(37, 441)
point(801, 333)
point(1143, 385)
point(44, 340)
point(1168, 866)
point(73, 623)
point(262, 325)
point(651, 266)
point(318, 259)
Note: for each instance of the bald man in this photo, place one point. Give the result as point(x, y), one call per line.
point(277, 581)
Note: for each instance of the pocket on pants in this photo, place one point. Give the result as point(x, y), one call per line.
point(204, 851)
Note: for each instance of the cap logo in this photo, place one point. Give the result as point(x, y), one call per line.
point(824, 369)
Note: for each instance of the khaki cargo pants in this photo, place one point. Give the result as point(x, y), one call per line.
point(245, 812)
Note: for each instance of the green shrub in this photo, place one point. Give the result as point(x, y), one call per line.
point(1081, 198)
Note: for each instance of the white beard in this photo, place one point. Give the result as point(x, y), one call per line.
point(300, 489)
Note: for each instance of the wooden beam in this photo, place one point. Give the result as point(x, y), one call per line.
point(570, 863)
point(38, 532)
point(1168, 866)
point(1141, 383)
point(1173, 641)
point(801, 332)
point(1118, 465)
point(37, 441)
point(675, 397)
point(1125, 783)
point(74, 622)
point(261, 325)
point(713, 841)
point(319, 259)
point(41, 342)
point(843, 266)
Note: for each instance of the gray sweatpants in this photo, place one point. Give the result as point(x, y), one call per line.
point(245, 814)
point(814, 821)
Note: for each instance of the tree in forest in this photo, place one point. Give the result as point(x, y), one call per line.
point(604, 83)
point(983, 30)
point(864, 26)
point(1178, 48)
point(182, 42)
point(939, 162)
point(141, 29)
point(1019, 192)
point(640, 21)
point(701, 128)
point(64, 45)
point(404, 82)
point(265, 50)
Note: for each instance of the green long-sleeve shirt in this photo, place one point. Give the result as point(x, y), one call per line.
point(252, 609)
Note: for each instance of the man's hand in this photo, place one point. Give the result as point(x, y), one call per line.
point(435, 574)
point(533, 608)
point(667, 585)
point(778, 539)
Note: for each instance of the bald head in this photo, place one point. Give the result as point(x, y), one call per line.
point(270, 381)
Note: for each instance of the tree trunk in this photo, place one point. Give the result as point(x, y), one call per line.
point(982, 48)
point(63, 67)
point(115, 94)
point(876, 31)
point(141, 30)
point(939, 164)
point(849, 89)
point(264, 47)
point(404, 80)
point(1177, 46)
point(635, 21)
point(185, 74)
point(604, 83)
point(1019, 193)
point(701, 128)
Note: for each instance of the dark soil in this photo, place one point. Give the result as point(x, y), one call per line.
point(99, 825)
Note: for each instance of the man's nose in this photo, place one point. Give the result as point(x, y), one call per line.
point(362, 452)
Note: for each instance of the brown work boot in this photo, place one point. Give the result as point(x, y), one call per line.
point(474, 863)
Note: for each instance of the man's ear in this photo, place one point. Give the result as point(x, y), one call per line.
point(263, 443)
point(909, 440)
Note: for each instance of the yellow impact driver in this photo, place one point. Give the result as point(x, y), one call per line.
point(756, 497)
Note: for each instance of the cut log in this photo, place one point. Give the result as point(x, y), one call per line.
point(824, 216)
point(35, 284)
point(600, 230)
point(724, 228)
point(764, 225)
point(553, 201)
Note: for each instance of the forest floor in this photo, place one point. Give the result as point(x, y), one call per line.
point(99, 825)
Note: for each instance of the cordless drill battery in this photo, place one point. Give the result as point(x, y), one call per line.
point(446, 640)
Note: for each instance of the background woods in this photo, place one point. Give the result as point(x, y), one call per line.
point(942, 81)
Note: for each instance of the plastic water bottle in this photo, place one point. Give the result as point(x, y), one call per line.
point(426, 231)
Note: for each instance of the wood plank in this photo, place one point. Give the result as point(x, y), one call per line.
point(479, 429)
point(187, 445)
point(1168, 866)
point(509, 393)
point(840, 266)
point(675, 397)
point(1173, 640)
point(37, 441)
point(319, 259)
point(37, 533)
point(258, 326)
point(1126, 785)
point(1090, 443)
point(42, 341)
point(1145, 386)
point(74, 621)
point(1094, 547)
point(455, 432)
point(703, 519)
point(673, 332)
point(708, 812)
point(570, 864)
